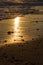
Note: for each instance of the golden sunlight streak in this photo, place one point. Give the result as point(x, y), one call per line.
point(16, 27)
point(16, 21)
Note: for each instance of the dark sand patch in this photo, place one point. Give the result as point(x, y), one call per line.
point(29, 53)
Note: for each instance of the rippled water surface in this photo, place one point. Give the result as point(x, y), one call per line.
point(21, 29)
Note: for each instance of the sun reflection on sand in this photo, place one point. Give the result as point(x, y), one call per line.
point(16, 23)
point(16, 27)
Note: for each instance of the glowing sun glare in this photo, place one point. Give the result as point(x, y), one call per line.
point(16, 24)
point(17, 21)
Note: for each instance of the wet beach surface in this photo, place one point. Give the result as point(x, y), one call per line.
point(21, 29)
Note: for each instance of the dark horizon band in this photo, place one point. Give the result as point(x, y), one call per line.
point(2, 4)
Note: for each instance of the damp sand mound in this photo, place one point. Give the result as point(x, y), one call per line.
point(29, 53)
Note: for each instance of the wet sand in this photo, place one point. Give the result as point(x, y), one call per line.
point(28, 53)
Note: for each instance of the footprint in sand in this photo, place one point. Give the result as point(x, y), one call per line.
point(14, 40)
point(10, 32)
point(21, 36)
point(37, 29)
point(22, 39)
point(5, 41)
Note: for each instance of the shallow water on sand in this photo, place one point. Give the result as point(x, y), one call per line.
point(21, 29)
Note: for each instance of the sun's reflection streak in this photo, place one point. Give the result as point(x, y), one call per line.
point(16, 27)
